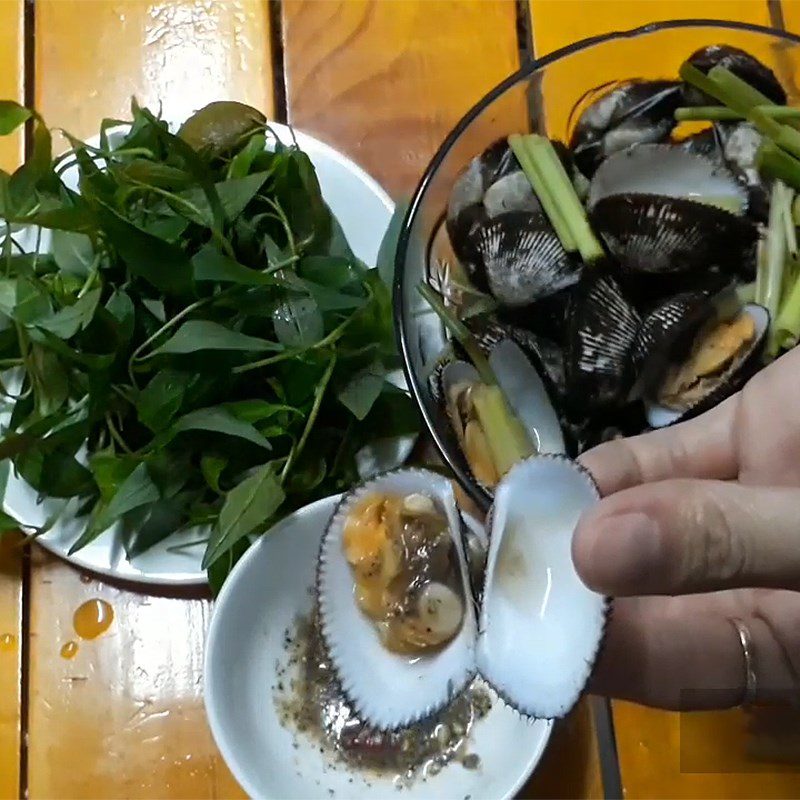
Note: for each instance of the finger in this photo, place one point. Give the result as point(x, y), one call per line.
point(685, 536)
point(698, 448)
point(684, 653)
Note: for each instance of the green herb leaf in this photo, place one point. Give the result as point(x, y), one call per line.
point(212, 468)
point(298, 322)
point(197, 335)
point(136, 490)
point(216, 420)
point(248, 506)
point(67, 322)
point(12, 115)
point(211, 265)
point(73, 252)
point(160, 263)
point(160, 400)
point(360, 393)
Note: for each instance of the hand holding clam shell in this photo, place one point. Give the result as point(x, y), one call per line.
point(699, 528)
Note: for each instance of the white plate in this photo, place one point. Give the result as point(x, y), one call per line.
point(364, 211)
point(259, 601)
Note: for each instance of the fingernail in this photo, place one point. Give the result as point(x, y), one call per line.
point(621, 553)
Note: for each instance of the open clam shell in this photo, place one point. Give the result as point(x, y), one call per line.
point(667, 171)
point(730, 381)
point(540, 627)
point(664, 235)
point(388, 689)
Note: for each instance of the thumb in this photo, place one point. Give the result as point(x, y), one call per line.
point(688, 536)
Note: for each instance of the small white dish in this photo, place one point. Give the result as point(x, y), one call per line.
point(364, 211)
point(265, 594)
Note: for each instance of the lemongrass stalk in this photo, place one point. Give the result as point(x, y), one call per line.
point(787, 325)
point(559, 183)
point(788, 223)
point(761, 271)
point(776, 253)
point(542, 189)
point(461, 332)
point(772, 162)
point(724, 114)
point(507, 438)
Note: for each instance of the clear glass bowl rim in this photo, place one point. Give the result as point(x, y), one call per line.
point(525, 71)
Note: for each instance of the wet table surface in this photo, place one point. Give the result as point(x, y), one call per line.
point(117, 712)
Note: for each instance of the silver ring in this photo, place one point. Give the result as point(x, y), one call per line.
point(751, 682)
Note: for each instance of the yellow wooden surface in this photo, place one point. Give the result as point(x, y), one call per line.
point(10, 663)
point(11, 87)
point(124, 717)
point(385, 82)
point(709, 755)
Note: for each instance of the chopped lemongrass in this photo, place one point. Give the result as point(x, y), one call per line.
point(724, 114)
point(507, 438)
point(461, 332)
point(738, 95)
point(776, 254)
point(559, 183)
point(787, 325)
point(554, 213)
point(775, 163)
point(558, 196)
point(788, 223)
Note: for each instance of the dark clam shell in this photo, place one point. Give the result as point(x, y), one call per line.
point(655, 234)
point(629, 113)
point(675, 319)
point(729, 383)
point(741, 64)
point(602, 327)
point(519, 257)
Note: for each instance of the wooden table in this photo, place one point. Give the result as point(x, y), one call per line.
point(384, 81)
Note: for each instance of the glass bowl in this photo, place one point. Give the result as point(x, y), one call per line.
point(538, 98)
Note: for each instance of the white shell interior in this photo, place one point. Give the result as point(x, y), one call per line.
point(659, 416)
point(527, 395)
point(390, 690)
point(540, 626)
point(663, 170)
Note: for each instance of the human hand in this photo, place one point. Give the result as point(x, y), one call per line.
point(700, 526)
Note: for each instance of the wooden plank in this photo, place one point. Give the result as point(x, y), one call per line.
point(124, 717)
point(385, 82)
point(10, 663)
point(12, 74)
point(11, 567)
point(664, 754)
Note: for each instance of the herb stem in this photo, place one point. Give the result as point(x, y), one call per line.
point(724, 114)
point(462, 334)
point(319, 394)
point(115, 435)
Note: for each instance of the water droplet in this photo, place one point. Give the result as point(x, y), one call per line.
point(93, 618)
point(8, 642)
point(69, 650)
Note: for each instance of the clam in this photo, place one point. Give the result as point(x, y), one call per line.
point(708, 364)
point(403, 532)
point(519, 258)
point(469, 404)
point(664, 209)
point(628, 113)
point(741, 64)
point(602, 328)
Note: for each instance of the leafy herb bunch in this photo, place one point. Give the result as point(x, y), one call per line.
point(190, 341)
